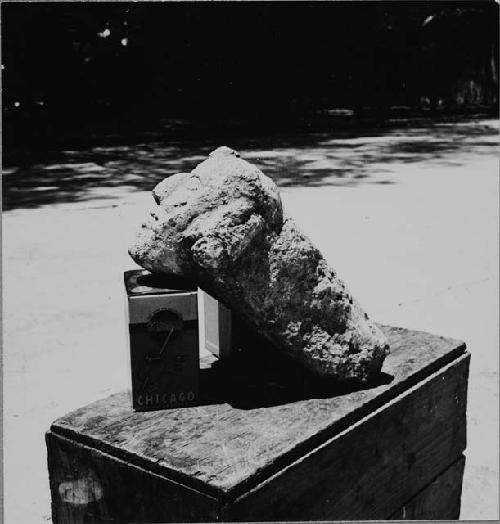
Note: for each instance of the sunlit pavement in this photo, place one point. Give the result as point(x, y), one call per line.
point(409, 218)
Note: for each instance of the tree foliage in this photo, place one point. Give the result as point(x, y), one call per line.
point(74, 66)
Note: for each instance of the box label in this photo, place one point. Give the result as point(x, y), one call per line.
point(164, 354)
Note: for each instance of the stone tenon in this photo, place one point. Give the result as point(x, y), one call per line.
point(223, 225)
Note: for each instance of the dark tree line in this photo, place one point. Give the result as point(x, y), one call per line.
point(74, 68)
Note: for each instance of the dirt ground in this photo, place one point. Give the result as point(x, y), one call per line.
point(408, 217)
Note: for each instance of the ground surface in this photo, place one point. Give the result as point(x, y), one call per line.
point(408, 217)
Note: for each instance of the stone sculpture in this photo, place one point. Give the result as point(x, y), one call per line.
point(223, 225)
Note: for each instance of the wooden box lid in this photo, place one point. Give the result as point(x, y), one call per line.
point(224, 448)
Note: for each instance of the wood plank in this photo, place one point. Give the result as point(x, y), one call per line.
point(439, 500)
point(246, 434)
point(374, 466)
point(88, 485)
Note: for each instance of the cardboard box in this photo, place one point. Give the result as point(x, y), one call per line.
point(216, 320)
point(163, 340)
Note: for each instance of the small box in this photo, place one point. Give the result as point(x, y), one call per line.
point(164, 345)
point(216, 321)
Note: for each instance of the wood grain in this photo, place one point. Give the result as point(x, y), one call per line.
point(89, 486)
point(376, 465)
point(439, 500)
point(244, 435)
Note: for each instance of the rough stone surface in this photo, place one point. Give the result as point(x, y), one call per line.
point(223, 225)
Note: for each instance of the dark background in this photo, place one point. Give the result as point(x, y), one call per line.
point(77, 71)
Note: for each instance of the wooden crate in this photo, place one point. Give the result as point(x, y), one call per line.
point(288, 452)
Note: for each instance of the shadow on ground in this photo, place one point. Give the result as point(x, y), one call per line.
point(311, 159)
